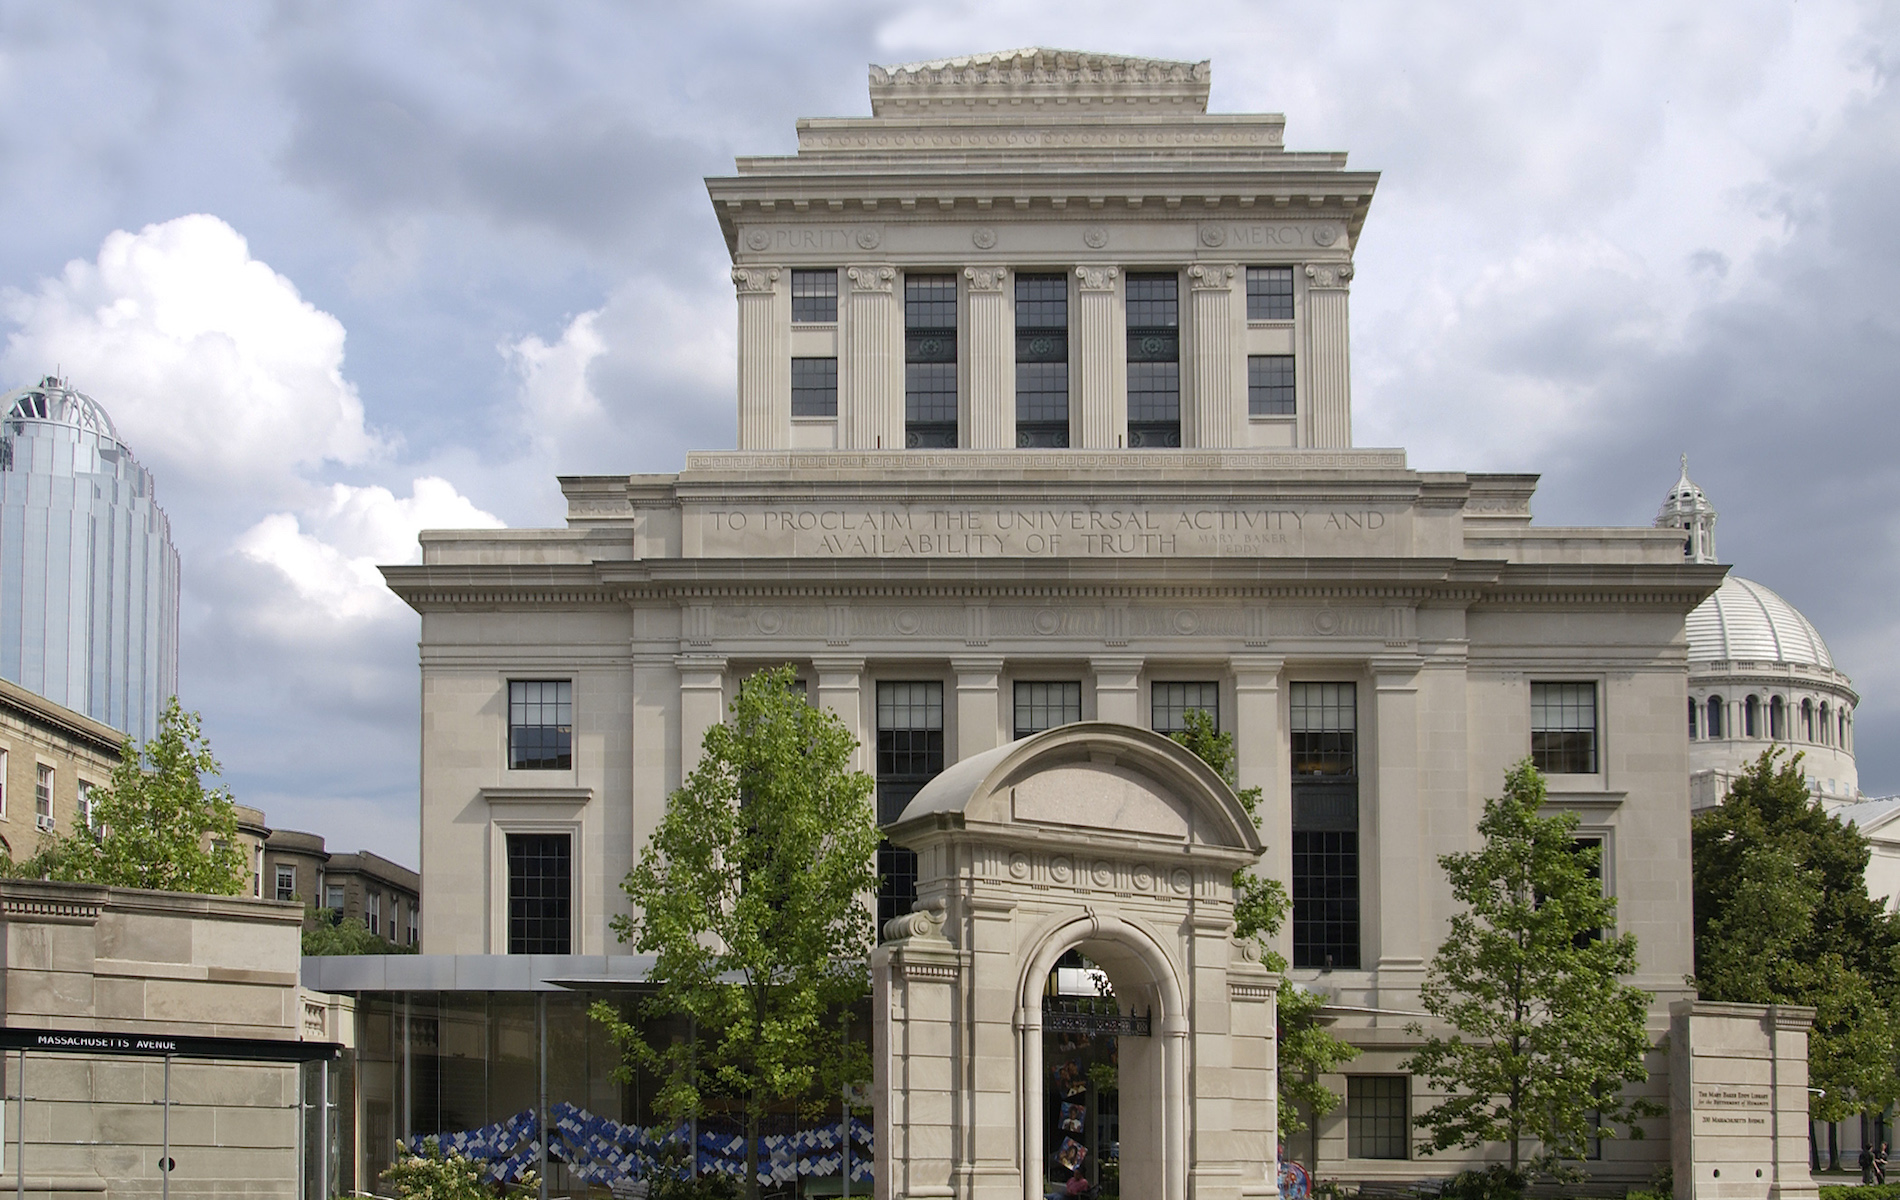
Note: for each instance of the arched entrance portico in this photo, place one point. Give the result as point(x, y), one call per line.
point(1096, 837)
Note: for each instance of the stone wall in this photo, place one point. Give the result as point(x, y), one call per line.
point(121, 960)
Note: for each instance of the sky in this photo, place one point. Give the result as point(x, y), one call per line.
point(348, 269)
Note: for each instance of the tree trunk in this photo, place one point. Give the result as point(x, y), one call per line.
point(751, 1191)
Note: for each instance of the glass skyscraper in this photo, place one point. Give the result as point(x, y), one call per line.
point(88, 573)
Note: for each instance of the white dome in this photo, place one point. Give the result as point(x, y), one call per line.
point(1745, 621)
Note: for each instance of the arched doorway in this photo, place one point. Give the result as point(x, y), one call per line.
point(1096, 839)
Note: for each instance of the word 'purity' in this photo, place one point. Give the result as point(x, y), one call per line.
point(1088, 531)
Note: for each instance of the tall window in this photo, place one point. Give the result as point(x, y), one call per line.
point(3, 783)
point(1154, 360)
point(540, 724)
point(1692, 711)
point(333, 896)
point(1378, 1116)
point(540, 895)
point(43, 791)
point(814, 387)
point(1323, 732)
point(909, 755)
point(1042, 360)
point(1751, 717)
point(1168, 704)
point(1716, 706)
point(1826, 732)
point(1807, 719)
point(415, 924)
point(1778, 719)
point(1584, 845)
point(1269, 385)
point(373, 913)
point(85, 807)
point(1269, 293)
point(286, 882)
point(1041, 706)
point(1564, 728)
point(814, 296)
point(930, 361)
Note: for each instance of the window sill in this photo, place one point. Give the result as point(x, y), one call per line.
point(1286, 323)
point(543, 797)
point(821, 326)
point(808, 420)
point(1585, 799)
point(1273, 418)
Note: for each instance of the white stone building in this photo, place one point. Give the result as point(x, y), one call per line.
point(1045, 416)
point(1759, 675)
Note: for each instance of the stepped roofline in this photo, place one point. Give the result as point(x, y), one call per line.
point(1039, 76)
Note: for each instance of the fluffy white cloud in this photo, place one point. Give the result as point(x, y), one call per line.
point(329, 553)
point(216, 371)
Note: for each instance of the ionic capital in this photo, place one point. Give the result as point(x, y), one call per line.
point(755, 280)
point(877, 277)
point(1096, 279)
point(1328, 275)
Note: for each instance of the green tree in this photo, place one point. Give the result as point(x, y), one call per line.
point(754, 895)
point(333, 933)
point(1782, 916)
point(1547, 1034)
point(1306, 1049)
point(157, 825)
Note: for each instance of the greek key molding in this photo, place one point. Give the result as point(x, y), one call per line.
point(1329, 275)
point(755, 280)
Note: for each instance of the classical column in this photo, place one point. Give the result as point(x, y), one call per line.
point(702, 702)
point(1219, 400)
point(992, 359)
point(1260, 753)
point(1118, 688)
point(840, 691)
point(979, 708)
point(1401, 966)
point(1100, 355)
point(765, 365)
point(1328, 361)
point(872, 375)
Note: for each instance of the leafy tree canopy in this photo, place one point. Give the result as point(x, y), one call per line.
point(1306, 1049)
point(1782, 916)
point(333, 933)
point(157, 825)
point(1547, 1034)
point(754, 894)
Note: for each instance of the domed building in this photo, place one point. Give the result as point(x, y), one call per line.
point(1759, 674)
point(88, 573)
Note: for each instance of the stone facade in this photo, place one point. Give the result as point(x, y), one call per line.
point(1383, 642)
point(384, 896)
point(50, 757)
point(126, 961)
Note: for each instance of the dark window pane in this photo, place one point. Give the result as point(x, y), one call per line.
point(909, 754)
point(540, 895)
point(1153, 346)
point(1168, 704)
point(1041, 706)
point(1042, 301)
point(814, 296)
point(1326, 899)
point(930, 361)
point(1154, 391)
point(1716, 709)
point(1564, 728)
point(1378, 1116)
point(1269, 293)
point(930, 302)
point(814, 387)
point(1269, 385)
point(540, 724)
point(1323, 725)
point(1153, 301)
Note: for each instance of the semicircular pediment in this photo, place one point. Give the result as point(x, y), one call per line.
point(1093, 776)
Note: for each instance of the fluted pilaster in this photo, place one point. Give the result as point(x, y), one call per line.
point(873, 375)
point(992, 360)
point(1101, 358)
point(1218, 400)
point(1328, 357)
point(765, 367)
